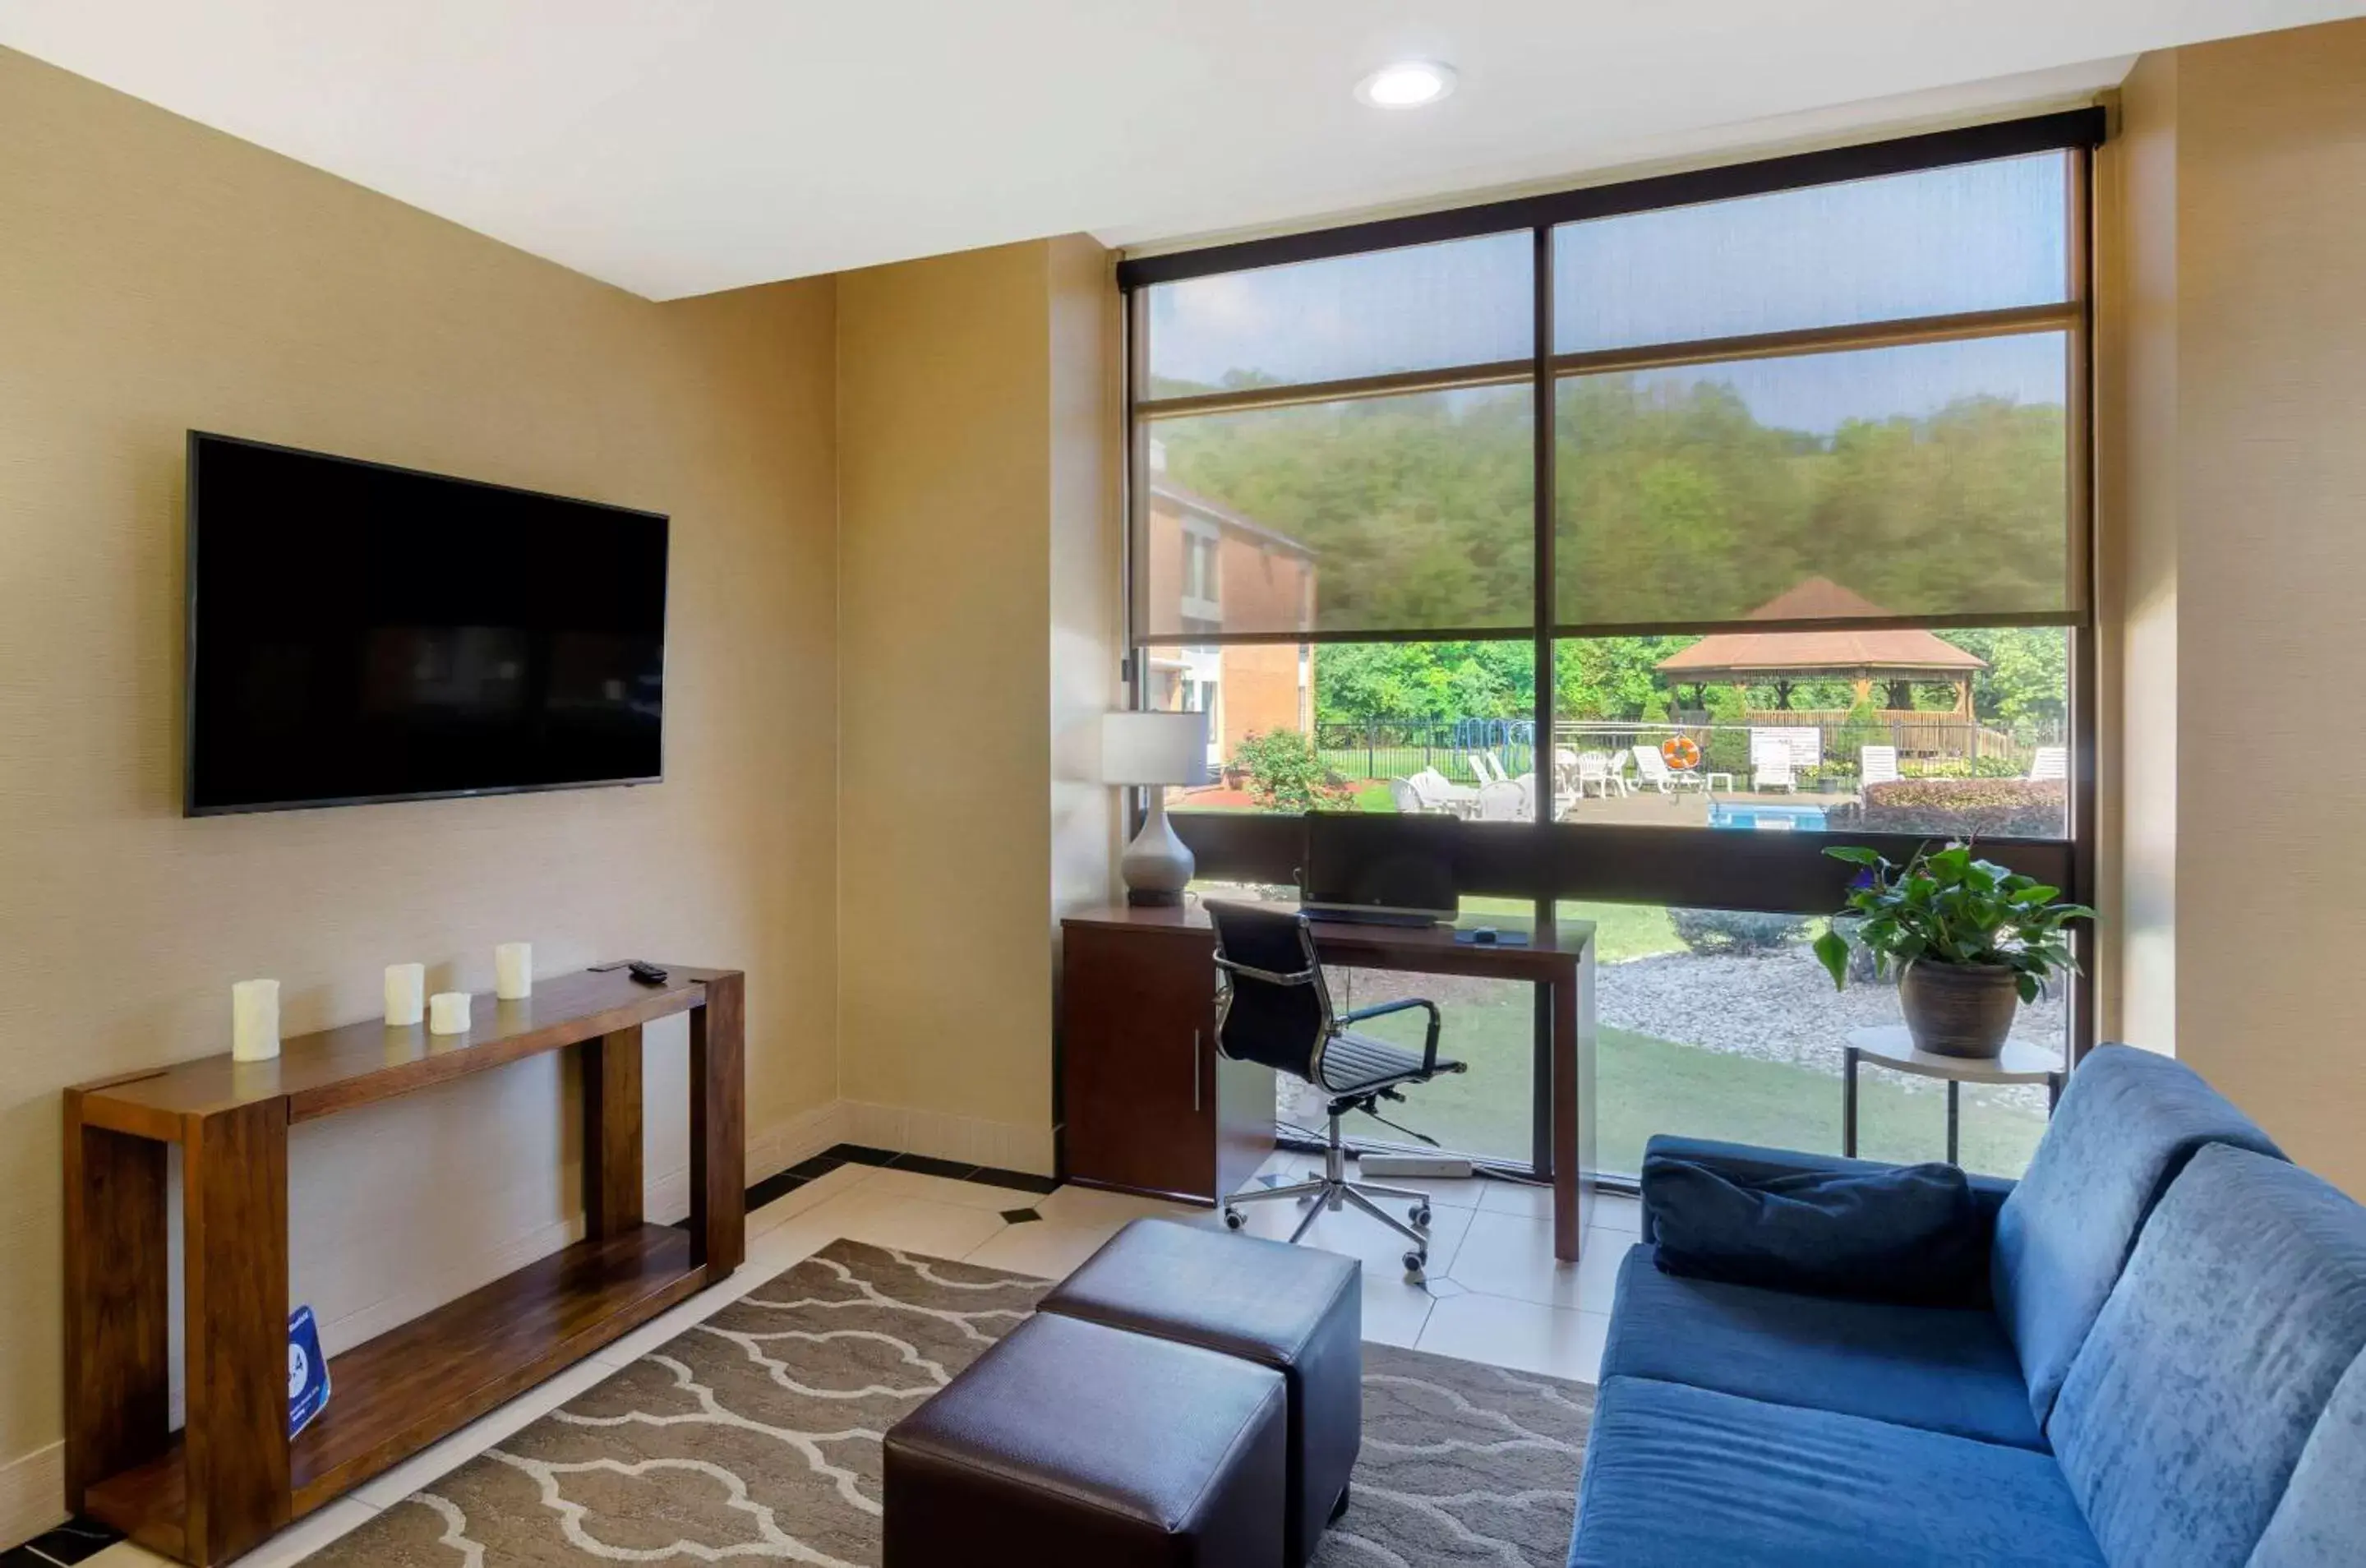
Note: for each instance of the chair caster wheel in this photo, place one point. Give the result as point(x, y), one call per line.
point(1234, 1219)
point(1416, 1268)
point(1421, 1216)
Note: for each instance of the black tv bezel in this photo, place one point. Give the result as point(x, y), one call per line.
point(191, 515)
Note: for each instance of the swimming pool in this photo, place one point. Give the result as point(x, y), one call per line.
point(1764, 817)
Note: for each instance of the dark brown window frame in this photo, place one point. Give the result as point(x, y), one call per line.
point(1545, 860)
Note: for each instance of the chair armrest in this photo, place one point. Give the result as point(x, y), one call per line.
point(1751, 1161)
point(1429, 1046)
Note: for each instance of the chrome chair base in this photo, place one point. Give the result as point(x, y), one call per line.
point(1330, 1190)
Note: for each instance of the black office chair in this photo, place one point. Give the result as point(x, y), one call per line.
point(1274, 1008)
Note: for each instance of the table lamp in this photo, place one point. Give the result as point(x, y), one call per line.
point(1156, 750)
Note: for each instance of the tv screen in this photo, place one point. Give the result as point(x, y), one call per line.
point(360, 632)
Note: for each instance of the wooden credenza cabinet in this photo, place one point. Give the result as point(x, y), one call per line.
point(1147, 1104)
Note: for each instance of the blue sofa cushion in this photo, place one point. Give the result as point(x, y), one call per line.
point(1943, 1369)
point(2129, 1122)
point(1899, 1233)
point(2321, 1523)
point(1751, 1161)
point(2187, 1409)
point(1679, 1477)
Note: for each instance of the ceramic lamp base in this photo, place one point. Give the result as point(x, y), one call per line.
point(1157, 866)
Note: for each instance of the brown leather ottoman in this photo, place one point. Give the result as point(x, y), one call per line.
point(1294, 1309)
point(1070, 1445)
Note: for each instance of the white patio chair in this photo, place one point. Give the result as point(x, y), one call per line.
point(1593, 768)
point(1618, 770)
point(1877, 764)
point(1405, 797)
point(1509, 801)
point(1437, 793)
point(1773, 760)
point(2050, 763)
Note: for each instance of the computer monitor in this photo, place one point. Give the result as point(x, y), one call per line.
point(1372, 865)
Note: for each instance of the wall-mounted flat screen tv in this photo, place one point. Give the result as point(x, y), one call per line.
point(359, 633)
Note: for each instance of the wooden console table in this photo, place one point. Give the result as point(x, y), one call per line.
point(231, 1476)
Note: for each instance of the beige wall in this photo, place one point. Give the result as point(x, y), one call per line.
point(156, 276)
point(972, 438)
point(2244, 520)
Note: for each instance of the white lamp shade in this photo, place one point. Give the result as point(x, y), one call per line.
point(1154, 748)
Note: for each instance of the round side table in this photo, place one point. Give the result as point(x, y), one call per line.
point(1893, 1047)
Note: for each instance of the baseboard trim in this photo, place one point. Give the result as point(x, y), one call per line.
point(32, 1494)
point(970, 1140)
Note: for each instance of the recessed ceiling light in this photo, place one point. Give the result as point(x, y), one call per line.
point(1407, 84)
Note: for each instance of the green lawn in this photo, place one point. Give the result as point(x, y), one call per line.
point(1645, 1085)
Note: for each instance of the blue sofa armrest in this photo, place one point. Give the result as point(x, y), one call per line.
point(1752, 1160)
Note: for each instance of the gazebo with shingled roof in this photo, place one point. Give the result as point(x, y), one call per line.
point(1896, 658)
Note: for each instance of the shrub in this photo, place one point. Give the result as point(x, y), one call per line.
point(1727, 752)
point(1286, 773)
point(2008, 808)
point(1736, 931)
point(1861, 728)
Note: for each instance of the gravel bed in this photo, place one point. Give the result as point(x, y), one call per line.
point(1779, 1007)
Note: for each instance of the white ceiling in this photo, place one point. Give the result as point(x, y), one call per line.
point(675, 147)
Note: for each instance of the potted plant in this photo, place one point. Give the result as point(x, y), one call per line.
point(1971, 940)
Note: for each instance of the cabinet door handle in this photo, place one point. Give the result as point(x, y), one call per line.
point(1195, 1072)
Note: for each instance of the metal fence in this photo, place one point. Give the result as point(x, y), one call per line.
point(1399, 748)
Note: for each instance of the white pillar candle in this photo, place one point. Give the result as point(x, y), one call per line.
point(448, 1013)
point(254, 1020)
point(406, 993)
point(514, 971)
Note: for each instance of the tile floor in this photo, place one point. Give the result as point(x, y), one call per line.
point(1494, 1291)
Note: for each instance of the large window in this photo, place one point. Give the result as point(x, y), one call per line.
point(1750, 504)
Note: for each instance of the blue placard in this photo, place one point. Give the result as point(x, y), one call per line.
point(307, 1371)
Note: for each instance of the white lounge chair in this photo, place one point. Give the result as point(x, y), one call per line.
point(1437, 793)
point(1877, 764)
point(1406, 798)
point(1774, 772)
point(1488, 769)
point(1652, 769)
point(2050, 763)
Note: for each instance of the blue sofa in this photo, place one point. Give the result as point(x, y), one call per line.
point(2167, 1368)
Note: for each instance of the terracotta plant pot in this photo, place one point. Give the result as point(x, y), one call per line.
point(1958, 1009)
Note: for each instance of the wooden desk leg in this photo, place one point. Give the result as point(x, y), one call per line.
point(718, 1134)
point(234, 1260)
point(1568, 1106)
point(118, 1370)
point(611, 1133)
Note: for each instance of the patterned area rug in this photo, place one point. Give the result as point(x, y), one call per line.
point(756, 1436)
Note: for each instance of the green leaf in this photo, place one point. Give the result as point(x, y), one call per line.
point(1832, 948)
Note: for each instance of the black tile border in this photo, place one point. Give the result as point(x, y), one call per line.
point(76, 1540)
point(928, 1165)
point(773, 1188)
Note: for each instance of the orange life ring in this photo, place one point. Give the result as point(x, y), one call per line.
point(1680, 753)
